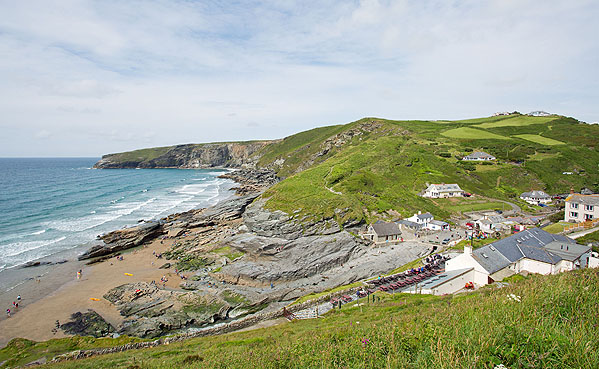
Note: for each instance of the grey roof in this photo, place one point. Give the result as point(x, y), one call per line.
point(491, 259)
point(424, 216)
point(479, 155)
point(444, 187)
point(409, 223)
point(496, 218)
point(438, 222)
point(443, 278)
point(529, 243)
point(535, 194)
point(583, 199)
point(386, 229)
point(567, 251)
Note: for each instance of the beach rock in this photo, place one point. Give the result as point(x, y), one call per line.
point(123, 239)
point(268, 223)
point(35, 263)
point(277, 259)
point(151, 311)
point(89, 323)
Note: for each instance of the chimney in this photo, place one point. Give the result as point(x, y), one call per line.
point(571, 190)
point(419, 212)
point(468, 250)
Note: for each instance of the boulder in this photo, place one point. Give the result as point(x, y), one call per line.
point(123, 239)
point(89, 323)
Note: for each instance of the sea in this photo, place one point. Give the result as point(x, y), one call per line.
point(57, 206)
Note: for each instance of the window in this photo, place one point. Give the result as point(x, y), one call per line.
point(588, 207)
point(588, 216)
point(574, 206)
point(574, 214)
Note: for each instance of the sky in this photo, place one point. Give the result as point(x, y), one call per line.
point(86, 78)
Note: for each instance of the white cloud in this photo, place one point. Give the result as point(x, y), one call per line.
point(105, 74)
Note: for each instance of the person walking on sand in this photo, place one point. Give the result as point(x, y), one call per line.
point(19, 298)
point(79, 275)
point(8, 313)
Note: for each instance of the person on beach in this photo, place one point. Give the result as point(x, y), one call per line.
point(78, 275)
point(19, 298)
point(8, 313)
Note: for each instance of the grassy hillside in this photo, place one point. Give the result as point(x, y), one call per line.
point(375, 168)
point(552, 326)
point(379, 172)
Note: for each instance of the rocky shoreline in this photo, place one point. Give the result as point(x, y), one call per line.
point(239, 258)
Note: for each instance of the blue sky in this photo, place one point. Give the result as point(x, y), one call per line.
point(84, 78)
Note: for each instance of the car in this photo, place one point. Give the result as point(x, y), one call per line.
point(445, 241)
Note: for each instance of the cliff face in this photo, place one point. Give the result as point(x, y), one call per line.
point(235, 155)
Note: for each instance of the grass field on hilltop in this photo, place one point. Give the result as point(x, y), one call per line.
point(551, 327)
point(540, 139)
point(472, 134)
point(516, 121)
point(385, 169)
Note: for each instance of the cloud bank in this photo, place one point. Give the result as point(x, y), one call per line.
point(83, 78)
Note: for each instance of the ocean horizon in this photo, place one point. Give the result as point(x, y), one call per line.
point(52, 205)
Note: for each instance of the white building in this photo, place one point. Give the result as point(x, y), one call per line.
point(581, 208)
point(382, 232)
point(533, 251)
point(426, 220)
point(490, 224)
point(536, 197)
point(443, 190)
point(479, 156)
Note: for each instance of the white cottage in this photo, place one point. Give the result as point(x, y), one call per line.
point(443, 190)
point(536, 197)
point(533, 250)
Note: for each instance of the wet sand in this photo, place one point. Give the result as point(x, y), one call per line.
point(36, 317)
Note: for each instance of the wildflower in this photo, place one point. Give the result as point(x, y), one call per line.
point(365, 342)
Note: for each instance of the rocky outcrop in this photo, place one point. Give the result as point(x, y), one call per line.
point(234, 155)
point(271, 259)
point(276, 223)
point(152, 312)
point(89, 323)
point(123, 239)
point(252, 180)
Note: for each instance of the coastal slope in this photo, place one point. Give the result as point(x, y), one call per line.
point(375, 168)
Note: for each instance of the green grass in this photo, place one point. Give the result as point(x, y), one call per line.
point(539, 139)
point(556, 227)
point(476, 243)
point(552, 327)
point(588, 238)
point(313, 296)
point(228, 253)
point(516, 121)
point(20, 351)
point(465, 204)
point(472, 134)
point(142, 154)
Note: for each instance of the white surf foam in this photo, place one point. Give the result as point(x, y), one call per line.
point(18, 248)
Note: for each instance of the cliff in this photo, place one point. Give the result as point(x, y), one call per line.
point(234, 154)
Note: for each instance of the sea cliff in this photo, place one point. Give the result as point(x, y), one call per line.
point(233, 155)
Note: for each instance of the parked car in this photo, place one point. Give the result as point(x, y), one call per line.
point(445, 241)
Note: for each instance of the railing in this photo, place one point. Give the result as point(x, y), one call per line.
point(582, 225)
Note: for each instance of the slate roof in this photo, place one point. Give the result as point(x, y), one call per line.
point(444, 187)
point(526, 244)
point(567, 251)
point(424, 216)
point(478, 155)
point(410, 223)
point(438, 222)
point(583, 199)
point(386, 229)
point(535, 195)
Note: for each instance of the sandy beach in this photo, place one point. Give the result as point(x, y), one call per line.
point(36, 320)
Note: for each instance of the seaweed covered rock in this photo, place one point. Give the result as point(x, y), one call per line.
point(89, 323)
